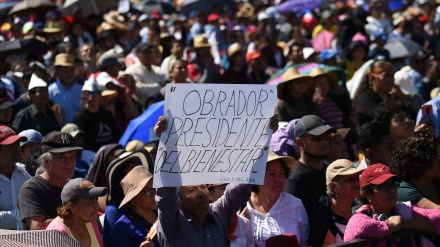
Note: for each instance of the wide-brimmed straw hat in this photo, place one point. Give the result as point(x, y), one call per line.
point(54, 27)
point(200, 41)
point(115, 170)
point(134, 182)
point(289, 161)
point(65, 59)
point(289, 76)
point(332, 76)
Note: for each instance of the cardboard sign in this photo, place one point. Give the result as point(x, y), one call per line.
point(216, 133)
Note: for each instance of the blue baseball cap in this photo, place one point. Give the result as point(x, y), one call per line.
point(31, 135)
point(326, 55)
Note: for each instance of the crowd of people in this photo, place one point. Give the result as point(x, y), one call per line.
point(355, 149)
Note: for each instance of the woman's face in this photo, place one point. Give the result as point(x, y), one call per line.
point(274, 179)
point(322, 83)
point(383, 199)
point(383, 78)
point(179, 72)
point(297, 86)
point(86, 210)
point(347, 186)
point(402, 125)
point(145, 199)
point(359, 52)
point(434, 172)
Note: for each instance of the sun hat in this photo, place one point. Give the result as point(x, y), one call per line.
point(376, 174)
point(290, 75)
point(58, 142)
point(283, 140)
point(312, 125)
point(81, 188)
point(72, 129)
point(65, 59)
point(234, 49)
point(200, 41)
point(289, 161)
point(115, 170)
point(134, 182)
point(36, 82)
point(8, 136)
point(340, 167)
point(342, 132)
point(404, 81)
point(332, 76)
point(54, 27)
point(32, 136)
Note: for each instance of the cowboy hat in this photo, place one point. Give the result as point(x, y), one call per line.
point(200, 41)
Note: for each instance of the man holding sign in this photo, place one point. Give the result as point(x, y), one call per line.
point(221, 133)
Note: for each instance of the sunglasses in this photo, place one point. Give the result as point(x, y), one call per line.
point(149, 192)
point(388, 186)
point(326, 137)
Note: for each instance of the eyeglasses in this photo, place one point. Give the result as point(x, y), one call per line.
point(326, 137)
point(387, 186)
point(149, 192)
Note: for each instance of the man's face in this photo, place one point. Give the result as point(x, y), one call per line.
point(177, 50)
point(87, 53)
point(26, 150)
point(195, 200)
point(146, 57)
point(10, 153)
point(296, 54)
point(5, 116)
point(338, 149)
point(382, 152)
point(316, 147)
point(39, 95)
point(66, 74)
point(62, 165)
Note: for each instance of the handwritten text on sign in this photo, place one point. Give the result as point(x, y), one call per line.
point(215, 134)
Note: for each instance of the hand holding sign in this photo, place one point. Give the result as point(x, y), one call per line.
point(215, 134)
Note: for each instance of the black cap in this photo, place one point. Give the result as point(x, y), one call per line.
point(312, 125)
point(58, 142)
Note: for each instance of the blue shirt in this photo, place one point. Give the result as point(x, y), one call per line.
point(112, 215)
point(435, 102)
point(130, 231)
point(68, 98)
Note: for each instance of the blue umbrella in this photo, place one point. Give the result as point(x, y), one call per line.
point(142, 127)
point(297, 5)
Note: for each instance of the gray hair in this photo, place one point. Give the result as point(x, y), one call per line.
point(42, 158)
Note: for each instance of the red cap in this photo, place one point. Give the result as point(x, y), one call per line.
point(252, 55)
point(375, 174)
point(251, 29)
point(213, 17)
point(155, 14)
point(8, 136)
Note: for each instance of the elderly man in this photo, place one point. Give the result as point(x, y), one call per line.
point(12, 177)
point(185, 216)
point(38, 116)
point(65, 91)
point(40, 196)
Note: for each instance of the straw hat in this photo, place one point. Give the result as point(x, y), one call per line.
point(200, 41)
point(234, 49)
point(54, 27)
point(134, 182)
point(332, 76)
point(290, 75)
point(289, 161)
point(65, 59)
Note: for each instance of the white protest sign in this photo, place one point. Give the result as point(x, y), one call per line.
point(216, 133)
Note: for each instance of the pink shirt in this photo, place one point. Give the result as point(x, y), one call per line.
point(56, 224)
